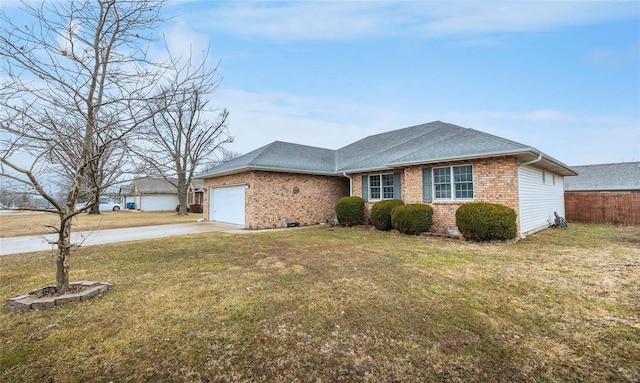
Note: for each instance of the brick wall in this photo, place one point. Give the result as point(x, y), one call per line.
point(495, 180)
point(274, 199)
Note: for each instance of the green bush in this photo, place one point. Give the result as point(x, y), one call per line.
point(349, 211)
point(381, 213)
point(412, 218)
point(482, 221)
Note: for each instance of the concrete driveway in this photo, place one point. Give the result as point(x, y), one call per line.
point(28, 244)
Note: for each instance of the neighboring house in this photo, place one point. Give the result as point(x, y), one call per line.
point(158, 194)
point(437, 163)
point(604, 193)
point(195, 194)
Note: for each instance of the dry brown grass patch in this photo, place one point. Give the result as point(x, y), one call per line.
point(336, 305)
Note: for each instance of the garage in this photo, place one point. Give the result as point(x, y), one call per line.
point(227, 204)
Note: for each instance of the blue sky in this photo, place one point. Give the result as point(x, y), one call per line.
point(563, 77)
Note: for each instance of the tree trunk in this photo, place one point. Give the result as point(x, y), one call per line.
point(62, 260)
point(182, 198)
point(95, 209)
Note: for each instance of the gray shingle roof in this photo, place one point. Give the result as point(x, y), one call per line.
point(281, 156)
point(152, 185)
point(421, 144)
point(425, 143)
point(605, 177)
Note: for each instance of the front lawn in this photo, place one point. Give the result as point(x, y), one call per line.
point(335, 305)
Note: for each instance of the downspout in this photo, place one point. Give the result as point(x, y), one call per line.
point(350, 183)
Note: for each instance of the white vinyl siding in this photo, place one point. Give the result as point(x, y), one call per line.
point(540, 194)
point(156, 202)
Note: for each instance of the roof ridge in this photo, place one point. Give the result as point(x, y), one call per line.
point(421, 134)
point(389, 132)
point(500, 138)
point(263, 151)
point(464, 130)
point(391, 148)
point(297, 146)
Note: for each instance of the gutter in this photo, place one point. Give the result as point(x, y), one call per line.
point(465, 157)
point(267, 169)
point(532, 161)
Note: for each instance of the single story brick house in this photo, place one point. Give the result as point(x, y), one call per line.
point(436, 163)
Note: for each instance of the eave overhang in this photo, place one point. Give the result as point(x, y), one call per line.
point(524, 155)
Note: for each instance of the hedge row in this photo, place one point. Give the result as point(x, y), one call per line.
point(387, 214)
point(478, 221)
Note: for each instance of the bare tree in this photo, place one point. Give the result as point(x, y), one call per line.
point(182, 136)
point(74, 85)
point(106, 171)
point(220, 158)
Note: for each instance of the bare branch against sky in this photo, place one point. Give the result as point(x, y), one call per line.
point(76, 80)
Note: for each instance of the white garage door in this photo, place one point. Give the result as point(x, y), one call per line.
point(227, 204)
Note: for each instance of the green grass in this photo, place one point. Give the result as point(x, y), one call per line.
point(335, 305)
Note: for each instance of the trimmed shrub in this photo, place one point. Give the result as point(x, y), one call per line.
point(349, 211)
point(412, 218)
point(381, 213)
point(195, 208)
point(482, 221)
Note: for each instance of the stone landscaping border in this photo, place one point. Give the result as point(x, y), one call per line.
point(30, 301)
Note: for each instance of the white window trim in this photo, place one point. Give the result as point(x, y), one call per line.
point(452, 183)
point(381, 192)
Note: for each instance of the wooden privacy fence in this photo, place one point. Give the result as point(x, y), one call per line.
point(596, 207)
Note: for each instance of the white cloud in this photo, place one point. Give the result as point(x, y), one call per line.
point(298, 21)
point(181, 39)
point(352, 20)
point(519, 16)
point(257, 119)
point(571, 138)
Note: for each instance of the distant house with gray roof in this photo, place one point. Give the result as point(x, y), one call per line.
point(159, 194)
point(619, 177)
point(437, 163)
point(604, 193)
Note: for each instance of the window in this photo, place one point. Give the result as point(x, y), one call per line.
point(381, 186)
point(453, 182)
point(442, 182)
point(463, 181)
